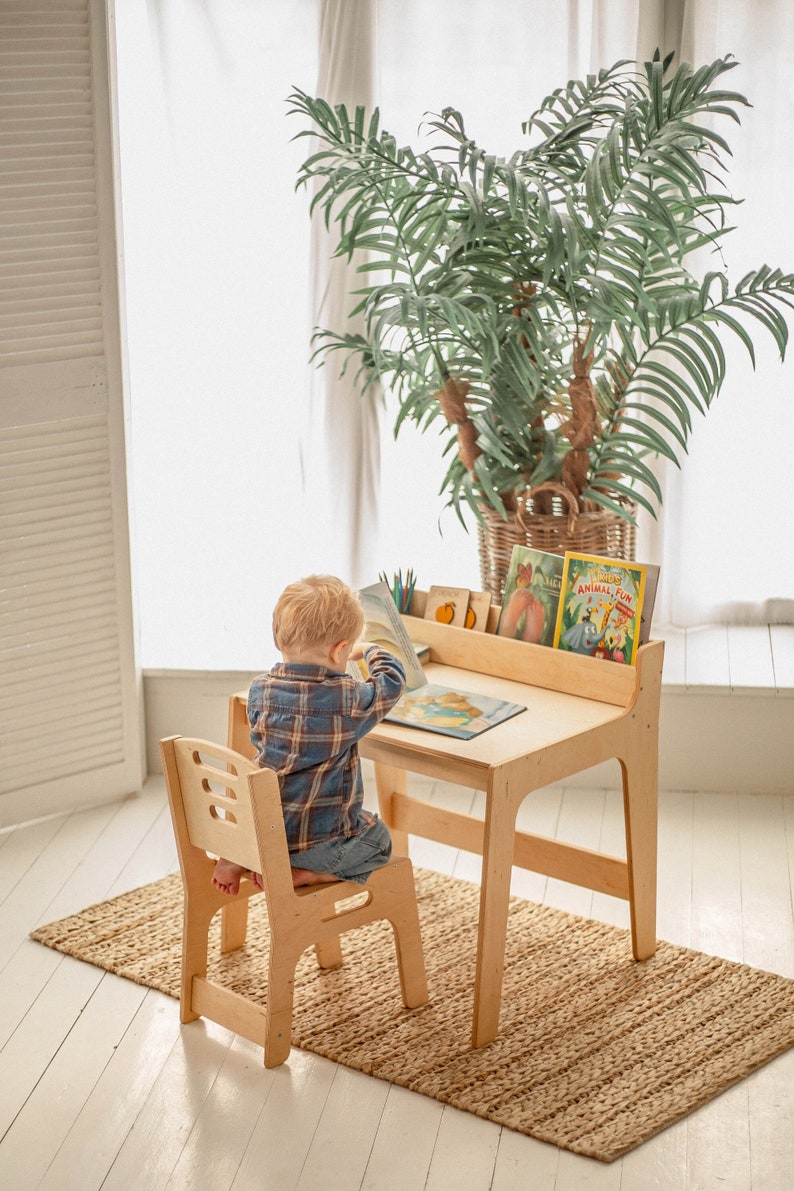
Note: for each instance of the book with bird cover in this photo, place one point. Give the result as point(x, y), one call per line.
point(532, 595)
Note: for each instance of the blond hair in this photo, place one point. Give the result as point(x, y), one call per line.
point(318, 610)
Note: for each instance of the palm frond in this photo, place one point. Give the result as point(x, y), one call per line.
point(489, 269)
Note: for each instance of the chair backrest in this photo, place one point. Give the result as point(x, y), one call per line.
point(224, 804)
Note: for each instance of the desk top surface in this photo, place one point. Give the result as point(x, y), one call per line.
point(551, 717)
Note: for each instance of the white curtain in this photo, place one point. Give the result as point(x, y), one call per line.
point(217, 264)
point(340, 442)
point(726, 526)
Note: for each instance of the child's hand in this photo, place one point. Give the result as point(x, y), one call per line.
point(357, 652)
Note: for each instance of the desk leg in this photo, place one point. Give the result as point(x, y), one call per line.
point(390, 781)
point(238, 730)
point(640, 807)
point(494, 897)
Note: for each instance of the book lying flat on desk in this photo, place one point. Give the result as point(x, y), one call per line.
point(447, 710)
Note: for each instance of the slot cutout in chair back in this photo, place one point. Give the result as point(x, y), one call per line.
point(222, 813)
point(217, 808)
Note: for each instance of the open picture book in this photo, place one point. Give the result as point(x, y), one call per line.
point(447, 710)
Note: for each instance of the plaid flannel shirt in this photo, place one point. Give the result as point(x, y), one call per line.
point(306, 722)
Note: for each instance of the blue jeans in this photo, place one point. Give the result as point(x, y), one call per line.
point(349, 859)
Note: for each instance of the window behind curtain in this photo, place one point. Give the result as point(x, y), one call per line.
point(217, 247)
point(217, 267)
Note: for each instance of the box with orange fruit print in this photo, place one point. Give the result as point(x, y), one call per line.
point(458, 606)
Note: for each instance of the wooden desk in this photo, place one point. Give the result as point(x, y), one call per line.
point(580, 712)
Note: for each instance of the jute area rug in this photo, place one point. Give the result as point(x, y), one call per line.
point(596, 1053)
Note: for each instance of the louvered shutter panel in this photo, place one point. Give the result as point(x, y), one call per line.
point(70, 722)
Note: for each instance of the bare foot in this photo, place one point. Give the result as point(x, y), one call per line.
point(305, 876)
point(227, 876)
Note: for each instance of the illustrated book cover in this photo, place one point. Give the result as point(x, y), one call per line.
point(599, 613)
point(383, 626)
point(532, 596)
point(434, 708)
point(450, 711)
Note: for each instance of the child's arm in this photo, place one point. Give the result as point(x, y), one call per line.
point(374, 698)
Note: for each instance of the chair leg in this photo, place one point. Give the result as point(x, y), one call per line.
point(408, 945)
point(234, 925)
point(411, 965)
point(280, 995)
point(329, 953)
point(198, 915)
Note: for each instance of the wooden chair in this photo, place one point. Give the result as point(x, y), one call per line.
point(224, 804)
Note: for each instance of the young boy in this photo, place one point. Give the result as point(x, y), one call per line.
point(307, 715)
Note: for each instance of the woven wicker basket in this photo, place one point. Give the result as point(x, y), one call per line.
point(548, 518)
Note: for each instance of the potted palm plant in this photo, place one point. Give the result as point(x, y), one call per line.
point(562, 312)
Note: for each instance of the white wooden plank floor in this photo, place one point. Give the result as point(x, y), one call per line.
point(100, 1087)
